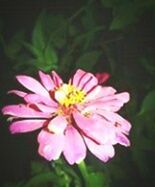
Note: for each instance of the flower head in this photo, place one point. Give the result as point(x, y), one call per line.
point(72, 117)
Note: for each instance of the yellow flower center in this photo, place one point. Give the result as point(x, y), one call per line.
point(68, 95)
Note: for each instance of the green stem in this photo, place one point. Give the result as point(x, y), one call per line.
point(83, 169)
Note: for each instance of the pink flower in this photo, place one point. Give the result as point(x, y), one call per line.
point(72, 117)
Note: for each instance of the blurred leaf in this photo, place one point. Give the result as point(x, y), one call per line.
point(38, 35)
point(111, 3)
point(148, 103)
point(56, 30)
point(96, 179)
point(38, 167)
point(124, 15)
point(88, 20)
point(51, 58)
point(88, 60)
point(148, 64)
point(35, 52)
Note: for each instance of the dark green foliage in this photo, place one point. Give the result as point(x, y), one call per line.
point(83, 39)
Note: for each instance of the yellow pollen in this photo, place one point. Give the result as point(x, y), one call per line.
point(68, 95)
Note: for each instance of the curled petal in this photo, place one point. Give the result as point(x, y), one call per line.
point(22, 111)
point(74, 149)
point(103, 152)
point(50, 145)
point(122, 139)
point(47, 81)
point(26, 126)
point(17, 92)
point(32, 85)
point(102, 77)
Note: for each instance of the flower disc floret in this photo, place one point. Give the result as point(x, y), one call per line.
point(68, 95)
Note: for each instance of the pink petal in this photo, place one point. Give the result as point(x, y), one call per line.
point(87, 82)
point(17, 92)
point(107, 91)
point(99, 92)
point(110, 103)
point(77, 77)
point(23, 111)
point(74, 149)
point(50, 145)
point(123, 124)
point(26, 126)
point(124, 97)
point(34, 98)
point(123, 140)
point(103, 152)
point(102, 77)
point(93, 93)
point(47, 81)
point(96, 128)
point(58, 125)
point(46, 109)
point(56, 78)
point(32, 85)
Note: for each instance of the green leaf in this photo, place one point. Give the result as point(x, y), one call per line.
point(38, 35)
point(124, 15)
point(88, 20)
point(51, 58)
point(56, 30)
point(148, 103)
point(88, 60)
point(31, 48)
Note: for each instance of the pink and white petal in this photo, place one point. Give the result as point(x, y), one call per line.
point(103, 152)
point(120, 123)
point(32, 85)
point(57, 125)
point(102, 77)
point(122, 139)
point(77, 77)
point(51, 149)
point(17, 92)
point(106, 91)
point(93, 93)
point(110, 103)
point(87, 82)
point(23, 111)
point(123, 97)
point(34, 98)
point(24, 126)
point(74, 149)
point(96, 128)
point(56, 78)
point(47, 81)
point(100, 92)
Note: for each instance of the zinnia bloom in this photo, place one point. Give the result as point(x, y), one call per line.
point(72, 117)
